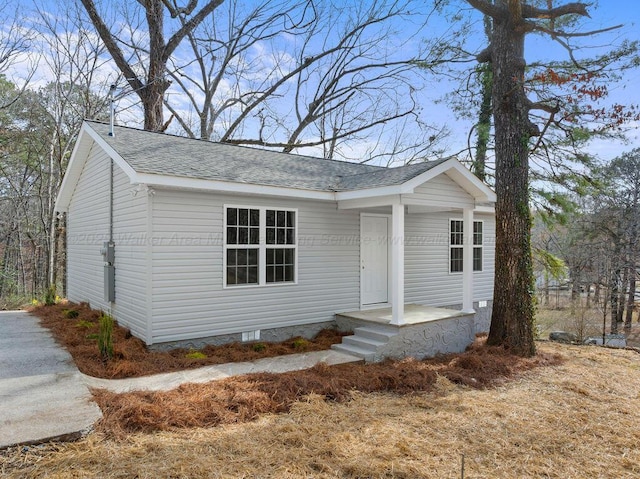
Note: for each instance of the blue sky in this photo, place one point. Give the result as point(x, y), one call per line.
point(610, 12)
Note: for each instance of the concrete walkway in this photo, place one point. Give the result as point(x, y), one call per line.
point(42, 395)
point(167, 381)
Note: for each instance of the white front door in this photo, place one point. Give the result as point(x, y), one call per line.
point(374, 259)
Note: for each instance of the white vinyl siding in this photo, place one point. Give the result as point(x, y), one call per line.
point(427, 278)
point(130, 238)
point(87, 230)
point(189, 299)
point(443, 192)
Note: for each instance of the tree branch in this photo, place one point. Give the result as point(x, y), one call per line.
point(487, 8)
point(112, 46)
point(576, 8)
point(188, 27)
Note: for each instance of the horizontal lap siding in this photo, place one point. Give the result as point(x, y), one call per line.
point(188, 296)
point(483, 281)
point(130, 238)
point(427, 277)
point(88, 228)
point(441, 191)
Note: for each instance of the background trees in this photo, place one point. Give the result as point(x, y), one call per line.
point(340, 80)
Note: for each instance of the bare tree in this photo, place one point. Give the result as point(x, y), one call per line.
point(291, 74)
point(74, 56)
point(15, 41)
point(143, 59)
point(40, 127)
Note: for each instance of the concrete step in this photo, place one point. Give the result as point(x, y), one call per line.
point(365, 354)
point(363, 342)
point(377, 333)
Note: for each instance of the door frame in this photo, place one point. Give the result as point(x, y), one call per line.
point(364, 306)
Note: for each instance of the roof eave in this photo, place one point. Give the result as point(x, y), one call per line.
point(451, 167)
point(180, 182)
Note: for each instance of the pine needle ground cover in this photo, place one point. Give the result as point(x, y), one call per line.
point(77, 328)
point(571, 418)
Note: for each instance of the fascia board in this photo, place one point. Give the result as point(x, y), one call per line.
point(230, 187)
point(114, 155)
point(368, 193)
point(74, 170)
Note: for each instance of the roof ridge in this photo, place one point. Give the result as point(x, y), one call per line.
point(233, 145)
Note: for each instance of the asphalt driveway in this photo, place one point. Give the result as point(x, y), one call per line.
point(42, 395)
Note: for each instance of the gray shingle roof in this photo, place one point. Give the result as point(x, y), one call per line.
point(162, 154)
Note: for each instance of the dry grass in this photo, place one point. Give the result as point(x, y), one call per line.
point(243, 398)
point(578, 419)
point(133, 359)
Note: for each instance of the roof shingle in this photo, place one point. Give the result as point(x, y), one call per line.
point(162, 154)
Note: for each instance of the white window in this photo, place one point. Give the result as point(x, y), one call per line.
point(260, 245)
point(456, 244)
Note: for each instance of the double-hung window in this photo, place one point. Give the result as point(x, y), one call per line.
point(456, 245)
point(260, 245)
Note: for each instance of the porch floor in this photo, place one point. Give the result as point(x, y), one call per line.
point(413, 314)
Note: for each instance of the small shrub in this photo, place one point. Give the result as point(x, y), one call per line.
point(84, 324)
point(71, 313)
point(50, 296)
point(194, 354)
point(105, 337)
point(259, 347)
point(300, 344)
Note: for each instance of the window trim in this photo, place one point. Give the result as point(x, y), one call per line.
point(262, 247)
point(450, 246)
point(479, 247)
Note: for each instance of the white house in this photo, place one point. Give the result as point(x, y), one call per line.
point(185, 241)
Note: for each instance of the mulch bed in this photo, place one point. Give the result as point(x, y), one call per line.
point(244, 398)
point(77, 332)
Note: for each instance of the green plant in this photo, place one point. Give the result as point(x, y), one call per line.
point(93, 336)
point(71, 313)
point(300, 343)
point(105, 337)
point(259, 347)
point(84, 324)
point(195, 354)
point(50, 296)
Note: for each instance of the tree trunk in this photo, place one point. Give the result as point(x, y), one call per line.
point(575, 286)
point(513, 301)
point(484, 121)
point(546, 288)
point(152, 103)
point(622, 295)
point(614, 295)
point(631, 299)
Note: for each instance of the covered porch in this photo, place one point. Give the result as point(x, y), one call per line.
point(385, 323)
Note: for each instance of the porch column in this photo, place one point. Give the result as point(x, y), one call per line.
point(467, 261)
point(397, 264)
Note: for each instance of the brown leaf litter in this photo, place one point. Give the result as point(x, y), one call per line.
point(573, 420)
